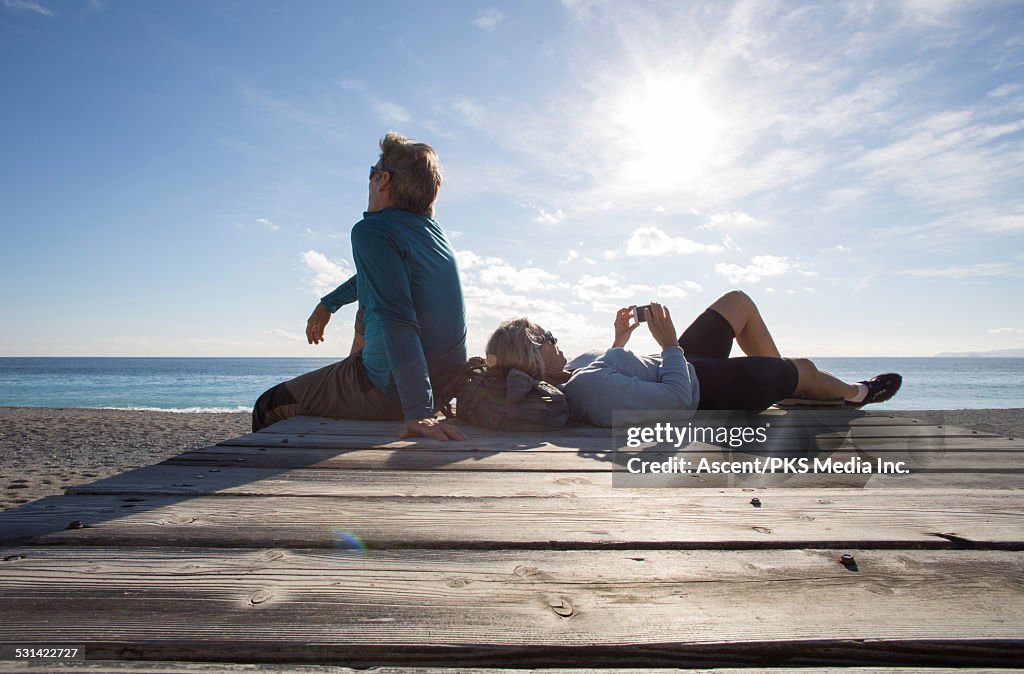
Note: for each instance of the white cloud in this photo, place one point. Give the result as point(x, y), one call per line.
point(772, 102)
point(838, 248)
point(862, 283)
point(352, 85)
point(980, 270)
point(134, 341)
point(497, 304)
point(391, 113)
point(268, 224)
point(761, 266)
point(610, 286)
point(647, 241)
point(929, 13)
point(468, 259)
point(488, 19)
point(22, 6)
point(1005, 90)
point(1005, 223)
point(470, 264)
point(846, 196)
point(486, 307)
point(471, 110)
point(679, 290)
point(1006, 331)
point(494, 271)
point(610, 254)
point(731, 219)
point(285, 336)
point(958, 162)
point(520, 280)
point(327, 274)
point(550, 218)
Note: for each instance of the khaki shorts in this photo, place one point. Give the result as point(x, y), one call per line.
point(339, 391)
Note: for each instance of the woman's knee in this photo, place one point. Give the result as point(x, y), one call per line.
point(735, 302)
point(806, 371)
point(736, 307)
point(734, 297)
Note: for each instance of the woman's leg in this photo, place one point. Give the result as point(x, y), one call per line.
point(751, 333)
point(819, 385)
point(753, 337)
point(747, 385)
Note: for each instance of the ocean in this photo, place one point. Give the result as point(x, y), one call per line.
point(233, 384)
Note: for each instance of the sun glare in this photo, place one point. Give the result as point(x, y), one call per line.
point(668, 134)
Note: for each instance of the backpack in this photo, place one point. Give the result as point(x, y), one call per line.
point(506, 400)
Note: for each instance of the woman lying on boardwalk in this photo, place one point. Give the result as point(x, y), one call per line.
point(694, 370)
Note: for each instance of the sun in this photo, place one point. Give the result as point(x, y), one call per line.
point(666, 133)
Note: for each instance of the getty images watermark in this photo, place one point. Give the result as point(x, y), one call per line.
point(797, 448)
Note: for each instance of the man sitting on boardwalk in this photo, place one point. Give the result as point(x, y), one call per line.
point(410, 297)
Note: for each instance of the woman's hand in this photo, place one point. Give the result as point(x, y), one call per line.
point(623, 326)
point(660, 323)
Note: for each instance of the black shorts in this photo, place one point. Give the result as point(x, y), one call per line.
point(747, 383)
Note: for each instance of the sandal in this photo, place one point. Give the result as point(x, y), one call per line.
point(880, 389)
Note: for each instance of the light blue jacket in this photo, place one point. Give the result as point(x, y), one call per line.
point(618, 379)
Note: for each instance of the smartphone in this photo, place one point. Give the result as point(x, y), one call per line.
point(640, 313)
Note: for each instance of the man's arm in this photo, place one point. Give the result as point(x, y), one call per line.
point(344, 294)
point(329, 303)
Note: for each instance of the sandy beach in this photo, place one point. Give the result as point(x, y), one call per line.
point(45, 450)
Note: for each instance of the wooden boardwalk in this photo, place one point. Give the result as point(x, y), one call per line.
point(320, 541)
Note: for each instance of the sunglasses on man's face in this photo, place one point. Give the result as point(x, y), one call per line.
point(375, 169)
point(548, 337)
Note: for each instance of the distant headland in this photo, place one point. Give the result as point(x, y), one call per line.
point(1001, 353)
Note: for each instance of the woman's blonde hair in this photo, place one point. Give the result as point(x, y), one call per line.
point(516, 344)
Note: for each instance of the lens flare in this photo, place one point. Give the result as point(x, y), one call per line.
point(347, 540)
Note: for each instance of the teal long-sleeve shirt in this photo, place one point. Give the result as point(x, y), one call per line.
point(414, 316)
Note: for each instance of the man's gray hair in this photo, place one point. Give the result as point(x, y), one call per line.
point(415, 172)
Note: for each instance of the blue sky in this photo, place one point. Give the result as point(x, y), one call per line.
point(180, 178)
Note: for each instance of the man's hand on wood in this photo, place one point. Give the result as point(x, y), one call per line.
point(430, 428)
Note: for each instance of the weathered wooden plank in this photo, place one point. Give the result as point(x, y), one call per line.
point(507, 441)
point(177, 667)
point(916, 457)
point(527, 607)
point(376, 473)
point(695, 518)
point(556, 442)
point(510, 442)
point(327, 426)
point(323, 425)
